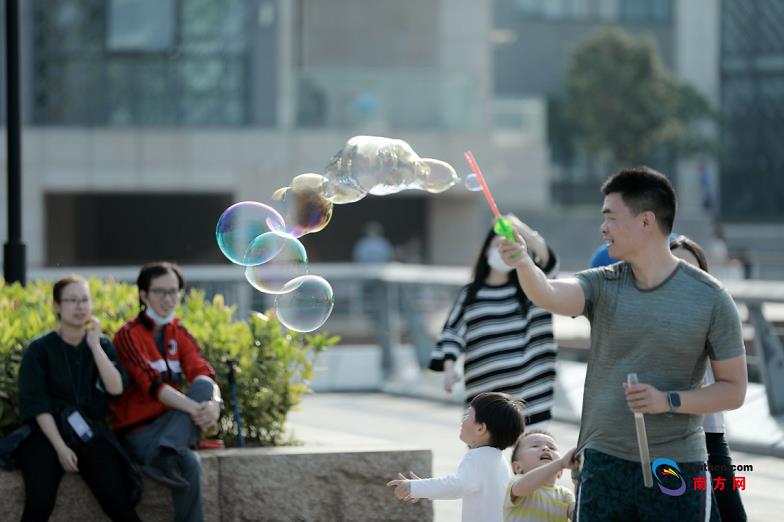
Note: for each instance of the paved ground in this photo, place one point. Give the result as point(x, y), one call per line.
point(370, 419)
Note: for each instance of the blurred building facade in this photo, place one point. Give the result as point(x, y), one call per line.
point(144, 119)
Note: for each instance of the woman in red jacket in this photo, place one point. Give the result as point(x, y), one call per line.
point(159, 422)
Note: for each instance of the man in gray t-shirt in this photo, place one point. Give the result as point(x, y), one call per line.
point(660, 333)
point(664, 320)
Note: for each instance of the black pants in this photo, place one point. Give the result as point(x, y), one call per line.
point(99, 465)
point(720, 463)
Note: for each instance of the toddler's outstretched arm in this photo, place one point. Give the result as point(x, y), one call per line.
point(529, 482)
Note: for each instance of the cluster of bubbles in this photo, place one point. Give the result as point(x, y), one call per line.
point(265, 239)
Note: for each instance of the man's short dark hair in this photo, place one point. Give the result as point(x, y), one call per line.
point(502, 415)
point(644, 189)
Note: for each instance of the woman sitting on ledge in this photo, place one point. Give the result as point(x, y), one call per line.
point(66, 380)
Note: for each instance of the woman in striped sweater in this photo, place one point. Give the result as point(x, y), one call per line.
point(507, 341)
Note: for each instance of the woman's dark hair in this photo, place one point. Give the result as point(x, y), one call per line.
point(481, 271)
point(156, 269)
point(502, 415)
point(692, 246)
point(59, 286)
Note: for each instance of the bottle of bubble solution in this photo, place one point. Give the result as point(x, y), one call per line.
point(642, 439)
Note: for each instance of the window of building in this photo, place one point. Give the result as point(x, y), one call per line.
point(591, 10)
point(141, 25)
point(141, 62)
point(110, 229)
point(607, 9)
point(646, 10)
point(556, 9)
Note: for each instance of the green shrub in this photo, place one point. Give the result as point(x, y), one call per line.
point(272, 364)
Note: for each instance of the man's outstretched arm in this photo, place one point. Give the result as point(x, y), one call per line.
point(559, 296)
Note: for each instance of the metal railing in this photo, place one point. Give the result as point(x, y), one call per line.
point(391, 304)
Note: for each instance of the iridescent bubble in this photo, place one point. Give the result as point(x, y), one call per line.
point(308, 307)
point(280, 273)
point(265, 247)
point(303, 205)
point(240, 224)
point(439, 176)
point(472, 183)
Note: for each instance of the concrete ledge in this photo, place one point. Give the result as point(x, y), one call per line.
point(280, 484)
point(262, 484)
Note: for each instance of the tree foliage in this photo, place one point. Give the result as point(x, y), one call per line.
point(621, 100)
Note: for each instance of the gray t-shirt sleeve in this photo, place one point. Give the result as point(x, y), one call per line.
point(725, 337)
point(591, 283)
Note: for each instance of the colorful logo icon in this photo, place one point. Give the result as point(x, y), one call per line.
point(668, 476)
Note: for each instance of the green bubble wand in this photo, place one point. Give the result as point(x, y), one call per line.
point(502, 226)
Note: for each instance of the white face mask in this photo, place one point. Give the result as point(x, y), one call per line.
point(159, 319)
point(496, 262)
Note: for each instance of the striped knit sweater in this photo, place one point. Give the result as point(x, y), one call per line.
point(507, 348)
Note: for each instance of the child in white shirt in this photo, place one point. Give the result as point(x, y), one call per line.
point(532, 495)
point(492, 423)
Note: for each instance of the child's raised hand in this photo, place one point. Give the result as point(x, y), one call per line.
point(568, 460)
point(402, 487)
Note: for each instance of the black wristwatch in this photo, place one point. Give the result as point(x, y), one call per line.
point(674, 400)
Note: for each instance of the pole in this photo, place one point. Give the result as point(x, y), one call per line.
point(14, 248)
point(235, 400)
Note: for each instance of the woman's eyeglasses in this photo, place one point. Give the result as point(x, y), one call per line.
point(161, 293)
point(75, 300)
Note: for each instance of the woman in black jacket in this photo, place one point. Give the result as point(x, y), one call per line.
point(66, 379)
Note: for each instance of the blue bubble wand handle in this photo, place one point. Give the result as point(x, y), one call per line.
point(502, 227)
point(642, 439)
point(235, 400)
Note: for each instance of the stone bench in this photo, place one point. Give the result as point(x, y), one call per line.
point(263, 484)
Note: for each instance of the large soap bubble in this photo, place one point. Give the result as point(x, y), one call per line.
point(381, 166)
point(240, 224)
point(303, 204)
point(286, 262)
point(308, 306)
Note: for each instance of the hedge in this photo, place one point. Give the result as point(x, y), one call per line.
point(272, 364)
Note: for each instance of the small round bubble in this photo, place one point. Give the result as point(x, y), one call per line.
point(280, 273)
point(472, 183)
point(240, 224)
point(308, 306)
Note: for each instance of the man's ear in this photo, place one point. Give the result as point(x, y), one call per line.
point(648, 219)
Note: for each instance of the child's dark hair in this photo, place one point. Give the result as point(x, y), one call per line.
point(502, 415)
point(524, 435)
point(644, 189)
